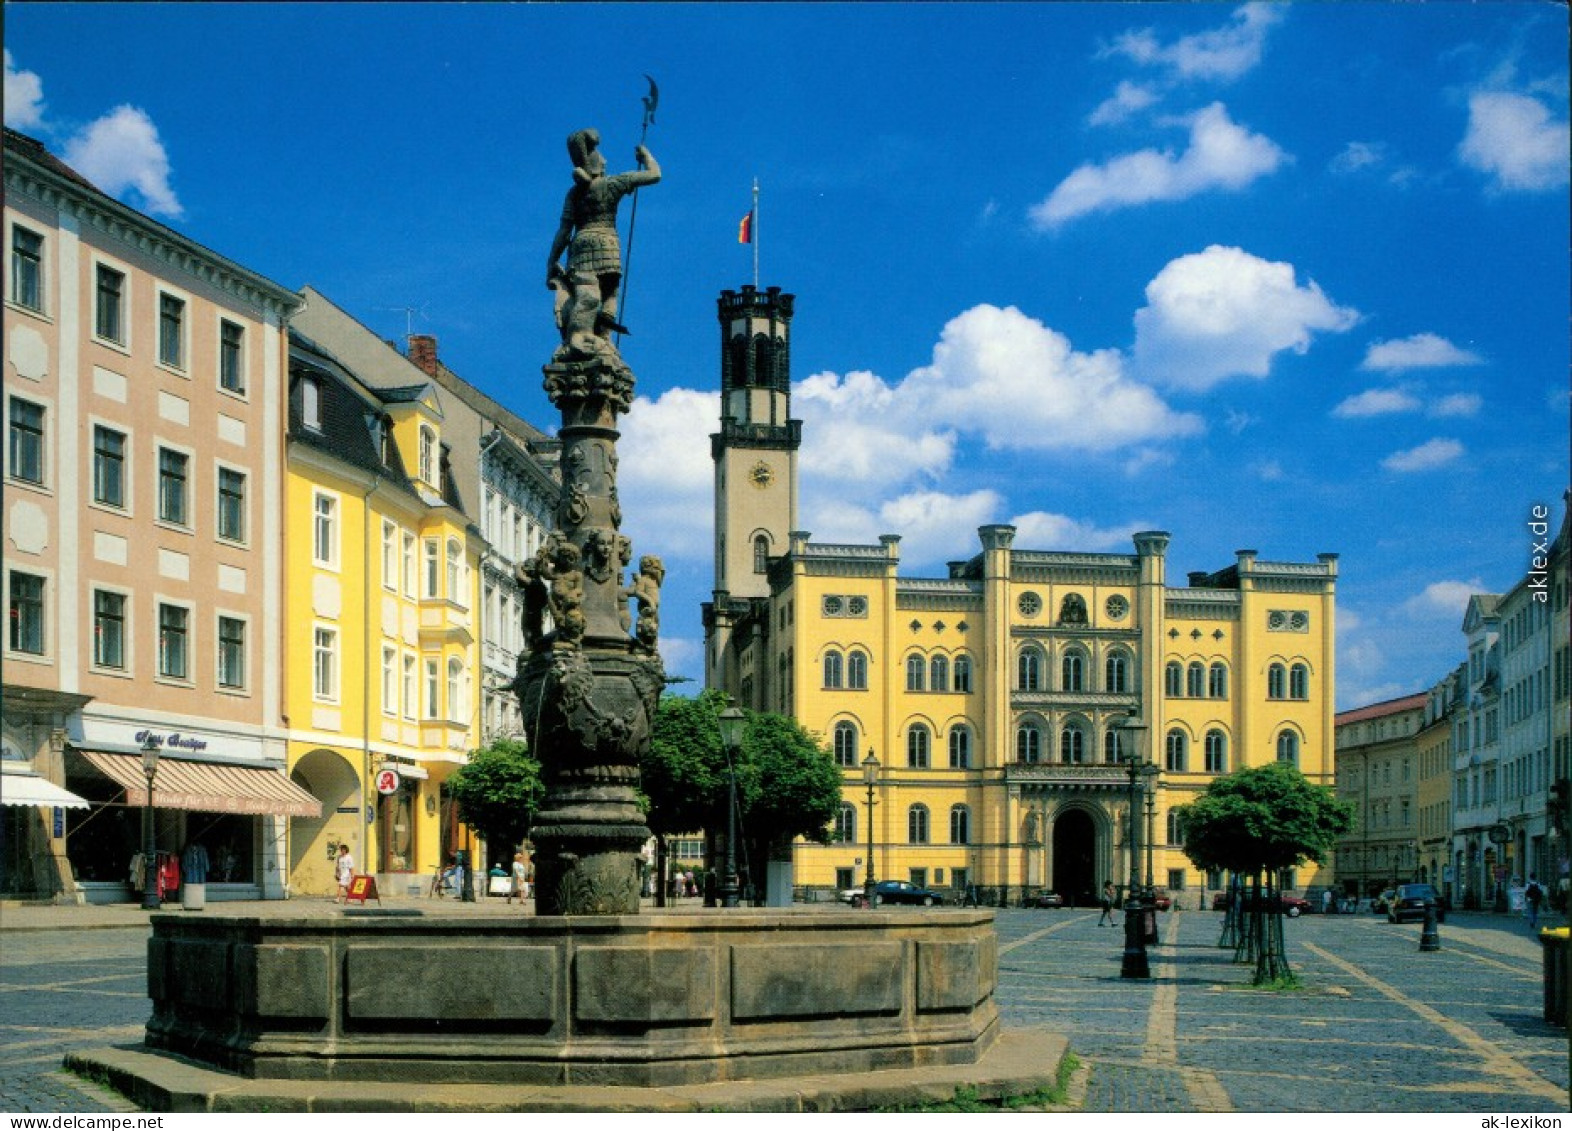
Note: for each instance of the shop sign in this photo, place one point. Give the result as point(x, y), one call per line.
point(387, 780)
point(175, 741)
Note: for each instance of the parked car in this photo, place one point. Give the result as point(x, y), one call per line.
point(1161, 899)
point(1047, 899)
point(850, 895)
point(1408, 902)
point(1293, 905)
point(899, 891)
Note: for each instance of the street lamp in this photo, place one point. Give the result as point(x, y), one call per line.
point(732, 721)
point(870, 775)
point(150, 900)
point(1135, 963)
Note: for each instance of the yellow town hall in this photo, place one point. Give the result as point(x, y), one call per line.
point(1004, 701)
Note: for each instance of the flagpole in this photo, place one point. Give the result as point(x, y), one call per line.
point(756, 233)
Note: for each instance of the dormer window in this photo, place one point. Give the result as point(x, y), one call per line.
point(311, 403)
point(428, 455)
point(385, 441)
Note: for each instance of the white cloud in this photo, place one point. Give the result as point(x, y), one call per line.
point(1040, 530)
point(1221, 156)
point(1378, 402)
point(1225, 313)
point(1269, 471)
point(1019, 384)
point(1458, 404)
point(1128, 98)
point(1222, 53)
point(1358, 155)
point(1443, 599)
point(24, 97)
point(1513, 138)
point(849, 434)
point(1419, 351)
point(1426, 457)
point(665, 477)
point(122, 152)
point(936, 527)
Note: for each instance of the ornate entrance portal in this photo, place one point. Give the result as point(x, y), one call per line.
point(1075, 857)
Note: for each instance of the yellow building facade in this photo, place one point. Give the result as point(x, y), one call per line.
point(383, 626)
point(1004, 701)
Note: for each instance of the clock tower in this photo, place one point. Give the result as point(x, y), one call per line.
point(755, 451)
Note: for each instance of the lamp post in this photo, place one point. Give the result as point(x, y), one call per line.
point(150, 900)
point(1135, 963)
point(1148, 772)
point(870, 775)
point(732, 721)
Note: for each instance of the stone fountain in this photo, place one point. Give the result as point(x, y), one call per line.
point(589, 1004)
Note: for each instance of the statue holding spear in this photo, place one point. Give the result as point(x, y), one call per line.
point(588, 234)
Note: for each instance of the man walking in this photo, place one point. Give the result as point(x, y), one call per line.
point(1533, 895)
point(1107, 902)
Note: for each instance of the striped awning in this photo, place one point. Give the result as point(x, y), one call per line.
point(32, 790)
point(209, 787)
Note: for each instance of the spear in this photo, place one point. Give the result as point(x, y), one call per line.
point(650, 100)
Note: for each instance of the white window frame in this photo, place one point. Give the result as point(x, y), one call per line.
point(455, 689)
point(159, 447)
point(389, 681)
point(311, 402)
point(427, 467)
point(325, 527)
point(219, 467)
point(411, 565)
point(410, 675)
point(243, 393)
point(433, 687)
point(244, 621)
point(390, 555)
point(324, 663)
point(182, 367)
point(127, 642)
point(431, 554)
point(160, 602)
point(127, 465)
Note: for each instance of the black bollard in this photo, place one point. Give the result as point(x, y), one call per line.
point(1135, 964)
point(1429, 934)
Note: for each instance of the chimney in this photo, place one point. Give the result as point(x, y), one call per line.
point(423, 353)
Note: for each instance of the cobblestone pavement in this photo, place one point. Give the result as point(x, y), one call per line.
point(1380, 1026)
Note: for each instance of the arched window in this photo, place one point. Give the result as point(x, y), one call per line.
point(857, 671)
point(1028, 744)
point(1276, 678)
point(1173, 679)
point(1288, 747)
point(1072, 672)
point(1217, 681)
point(761, 554)
point(455, 682)
point(1299, 682)
point(939, 673)
point(1112, 751)
point(833, 665)
point(1178, 748)
point(960, 825)
point(1116, 673)
point(1216, 752)
point(1195, 682)
point(917, 824)
point(1072, 744)
point(846, 823)
point(963, 673)
point(846, 744)
point(1029, 674)
point(1175, 828)
point(917, 746)
point(960, 748)
point(916, 673)
point(455, 571)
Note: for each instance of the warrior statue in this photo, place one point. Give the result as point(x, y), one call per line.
point(586, 689)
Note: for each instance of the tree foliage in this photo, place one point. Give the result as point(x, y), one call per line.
point(1263, 818)
point(498, 791)
point(683, 775)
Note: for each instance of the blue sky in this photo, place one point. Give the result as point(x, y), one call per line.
point(1284, 277)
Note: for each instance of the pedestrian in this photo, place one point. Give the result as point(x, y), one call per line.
point(1107, 903)
point(1326, 902)
point(520, 886)
point(1533, 895)
point(343, 872)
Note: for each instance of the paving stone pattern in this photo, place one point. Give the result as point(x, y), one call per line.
point(1380, 1026)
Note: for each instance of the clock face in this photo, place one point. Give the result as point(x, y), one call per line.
point(760, 475)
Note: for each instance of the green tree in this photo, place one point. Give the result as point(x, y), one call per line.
point(1260, 821)
point(787, 783)
point(498, 791)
